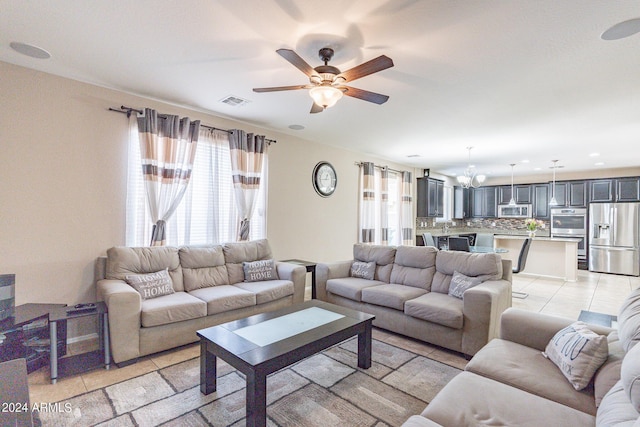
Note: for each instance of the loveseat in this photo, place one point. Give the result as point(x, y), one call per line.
point(408, 289)
point(183, 289)
point(512, 382)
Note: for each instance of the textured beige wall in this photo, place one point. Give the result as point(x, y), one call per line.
point(63, 178)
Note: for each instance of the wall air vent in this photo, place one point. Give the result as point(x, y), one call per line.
point(234, 101)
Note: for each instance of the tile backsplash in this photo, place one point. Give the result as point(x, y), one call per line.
point(489, 225)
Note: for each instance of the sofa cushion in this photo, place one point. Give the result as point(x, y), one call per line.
point(629, 320)
point(472, 400)
point(460, 283)
point(122, 260)
point(609, 373)
point(151, 285)
point(390, 295)
point(578, 352)
point(238, 252)
point(527, 369)
point(414, 266)
point(350, 287)
point(436, 308)
point(259, 271)
point(630, 376)
point(485, 266)
point(269, 290)
point(171, 308)
point(223, 298)
point(383, 256)
point(616, 410)
point(363, 270)
point(203, 266)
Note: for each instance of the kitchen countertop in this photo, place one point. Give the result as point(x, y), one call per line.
point(544, 238)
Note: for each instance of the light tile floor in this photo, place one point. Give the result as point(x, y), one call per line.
point(597, 292)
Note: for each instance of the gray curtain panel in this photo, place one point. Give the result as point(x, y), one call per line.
point(247, 157)
point(167, 148)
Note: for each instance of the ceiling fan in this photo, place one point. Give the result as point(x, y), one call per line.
point(327, 83)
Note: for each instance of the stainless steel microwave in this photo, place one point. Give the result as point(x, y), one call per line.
point(517, 211)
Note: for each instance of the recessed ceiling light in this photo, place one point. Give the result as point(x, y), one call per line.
point(594, 154)
point(30, 50)
point(599, 163)
point(414, 155)
point(296, 127)
point(524, 161)
point(537, 169)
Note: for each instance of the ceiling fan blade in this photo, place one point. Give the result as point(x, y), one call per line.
point(315, 108)
point(277, 88)
point(365, 95)
point(297, 61)
point(377, 64)
point(622, 30)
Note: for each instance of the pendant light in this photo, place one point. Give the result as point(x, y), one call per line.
point(512, 202)
point(470, 179)
point(553, 201)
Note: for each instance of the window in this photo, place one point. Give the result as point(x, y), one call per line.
point(207, 213)
point(392, 211)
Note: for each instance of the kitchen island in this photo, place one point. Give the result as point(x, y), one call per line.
point(555, 257)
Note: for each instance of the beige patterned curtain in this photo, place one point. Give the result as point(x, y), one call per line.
point(384, 205)
point(167, 147)
point(367, 203)
point(247, 157)
point(406, 210)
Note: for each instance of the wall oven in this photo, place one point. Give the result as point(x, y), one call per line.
point(571, 222)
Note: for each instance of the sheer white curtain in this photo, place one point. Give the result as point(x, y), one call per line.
point(207, 214)
point(383, 207)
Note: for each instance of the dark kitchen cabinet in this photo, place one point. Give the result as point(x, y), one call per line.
point(484, 202)
point(541, 199)
point(430, 197)
point(522, 196)
point(628, 189)
point(601, 190)
point(461, 202)
point(570, 193)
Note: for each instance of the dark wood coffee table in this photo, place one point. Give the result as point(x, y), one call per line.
point(265, 343)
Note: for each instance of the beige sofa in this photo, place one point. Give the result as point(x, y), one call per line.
point(209, 288)
point(509, 382)
point(409, 293)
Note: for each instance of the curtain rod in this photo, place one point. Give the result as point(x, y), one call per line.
point(380, 167)
point(128, 110)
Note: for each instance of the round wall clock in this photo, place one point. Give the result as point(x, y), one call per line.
point(324, 179)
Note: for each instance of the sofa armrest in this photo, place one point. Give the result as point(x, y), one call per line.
point(326, 271)
point(482, 307)
point(535, 330)
point(124, 304)
point(420, 421)
point(295, 273)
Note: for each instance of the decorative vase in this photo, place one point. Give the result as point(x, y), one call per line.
point(532, 233)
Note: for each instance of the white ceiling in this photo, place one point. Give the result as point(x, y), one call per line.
point(516, 79)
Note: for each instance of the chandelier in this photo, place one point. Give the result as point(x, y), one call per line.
point(470, 178)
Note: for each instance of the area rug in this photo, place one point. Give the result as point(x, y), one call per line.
point(325, 390)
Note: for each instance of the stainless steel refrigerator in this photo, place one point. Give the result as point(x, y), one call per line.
point(614, 238)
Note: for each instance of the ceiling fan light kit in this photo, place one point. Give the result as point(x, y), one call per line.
point(326, 82)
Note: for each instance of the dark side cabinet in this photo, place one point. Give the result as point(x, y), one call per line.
point(430, 197)
point(26, 335)
point(522, 194)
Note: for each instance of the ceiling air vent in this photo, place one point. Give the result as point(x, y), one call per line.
point(234, 101)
